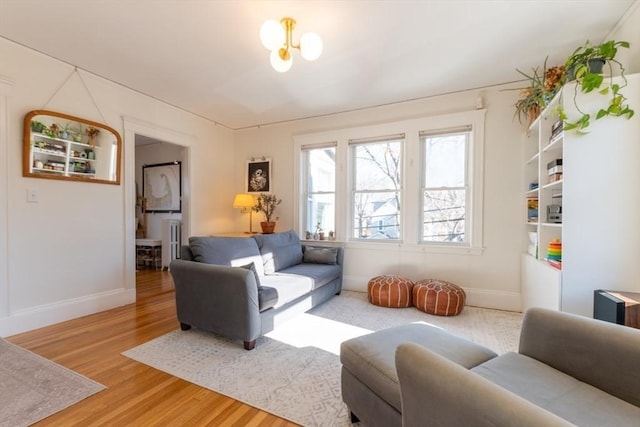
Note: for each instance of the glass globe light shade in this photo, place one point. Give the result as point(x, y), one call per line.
point(310, 46)
point(272, 34)
point(279, 64)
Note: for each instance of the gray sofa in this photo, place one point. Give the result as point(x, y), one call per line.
point(569, 370)
point(242, 288)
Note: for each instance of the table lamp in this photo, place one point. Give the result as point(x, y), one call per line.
point(245, 202)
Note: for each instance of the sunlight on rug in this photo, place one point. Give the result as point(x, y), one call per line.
point(294, 372)
point(33, 388)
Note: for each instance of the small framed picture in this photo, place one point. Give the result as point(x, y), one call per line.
point(259, 176)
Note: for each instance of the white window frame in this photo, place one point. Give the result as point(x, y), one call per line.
point(353, 143)
point(304, 181)
point(467, 185)
point(411, 215)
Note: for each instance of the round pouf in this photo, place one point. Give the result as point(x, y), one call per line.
point(390, 291)
point(438, 297)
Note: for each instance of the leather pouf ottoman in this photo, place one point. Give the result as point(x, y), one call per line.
point(390, 291)
point(438, 297)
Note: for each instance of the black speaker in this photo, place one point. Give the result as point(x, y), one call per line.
point(608, 307)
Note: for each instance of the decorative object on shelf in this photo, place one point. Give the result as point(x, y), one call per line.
point(51, 131)
point(532, 209)
point(49, 141)
point(278, 38)
point(543, 85)
point(37, 126)
point(259, 175)
point(554, 253)
point(162, 187)
point(245, 203)
point(267, 203)
point(92, 133)
point(584, 66)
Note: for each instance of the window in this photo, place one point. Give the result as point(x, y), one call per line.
point(415, 183)
point(377, 179)
point(445, 189)
point(319, 190)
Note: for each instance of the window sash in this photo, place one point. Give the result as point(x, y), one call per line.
point(382, 220)
point(319, 205)
point(446, 227)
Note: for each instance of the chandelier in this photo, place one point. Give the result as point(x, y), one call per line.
point(277, 37)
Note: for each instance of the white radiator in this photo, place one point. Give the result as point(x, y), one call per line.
point(171, 241)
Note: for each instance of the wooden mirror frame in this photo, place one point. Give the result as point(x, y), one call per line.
point(77, 151)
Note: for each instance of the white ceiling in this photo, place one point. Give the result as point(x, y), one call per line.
point(205, 56)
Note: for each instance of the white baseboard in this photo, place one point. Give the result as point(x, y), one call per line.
point(485, 298)
point(49, 314)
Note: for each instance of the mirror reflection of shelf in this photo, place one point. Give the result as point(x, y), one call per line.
point(59, 146)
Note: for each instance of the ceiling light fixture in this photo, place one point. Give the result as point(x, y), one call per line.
point(276, 36)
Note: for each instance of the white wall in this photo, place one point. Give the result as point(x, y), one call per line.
point(628, 29)
point(72, 253)
point(490, 279)
point(153, 154)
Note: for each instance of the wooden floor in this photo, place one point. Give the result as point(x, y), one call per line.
point(136, 394)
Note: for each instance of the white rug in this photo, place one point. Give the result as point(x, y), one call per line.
point(294, 372)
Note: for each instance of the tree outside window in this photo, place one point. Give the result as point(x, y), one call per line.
point(445, 188)
point(377, 184)
point(320, 188)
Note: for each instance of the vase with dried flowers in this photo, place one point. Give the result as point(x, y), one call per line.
point(267, 203)
point(92, 133)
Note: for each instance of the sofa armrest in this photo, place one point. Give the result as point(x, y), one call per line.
point(604, 355)
point(217, 298)
point(438, 392)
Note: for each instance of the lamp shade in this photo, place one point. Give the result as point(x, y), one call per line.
point(272, 34)
point(243, 200)
point(280, 64)
point(310, 46)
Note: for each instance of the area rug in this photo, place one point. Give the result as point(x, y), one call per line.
point(32, 387)
point(294, 372)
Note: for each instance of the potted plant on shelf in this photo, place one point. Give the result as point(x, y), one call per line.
point(584, 66)
point(542, 88)
point(267, 203)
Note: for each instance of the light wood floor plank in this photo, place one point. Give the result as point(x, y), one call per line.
point(136, 394)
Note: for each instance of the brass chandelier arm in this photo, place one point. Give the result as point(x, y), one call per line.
point(289, 25)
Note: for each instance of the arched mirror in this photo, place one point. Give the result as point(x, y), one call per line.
point(60, 146)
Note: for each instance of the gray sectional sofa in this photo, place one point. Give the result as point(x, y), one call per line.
point(569, 370)
point(242, 287)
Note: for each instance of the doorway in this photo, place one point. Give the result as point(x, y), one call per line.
point(156, 136)
point(158, 227)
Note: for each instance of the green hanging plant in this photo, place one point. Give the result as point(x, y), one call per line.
point(585, 66)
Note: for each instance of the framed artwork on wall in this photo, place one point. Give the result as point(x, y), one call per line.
point(259, 175)
point(162, 187)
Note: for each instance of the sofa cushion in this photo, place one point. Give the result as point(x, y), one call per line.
point(289, 287)
point(557, 392)
point(371, 358)
point(320, 255)
point(279, 250)
point(267, 297)
point(320, 273)
point(231, 251)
